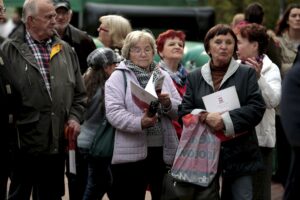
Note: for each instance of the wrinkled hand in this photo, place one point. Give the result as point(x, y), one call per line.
point(215, 121)
point(164, 99)
point(148, 121)
point(73, 124)
point(257, 65)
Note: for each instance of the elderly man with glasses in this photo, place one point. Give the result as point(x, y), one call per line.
point(48, 78)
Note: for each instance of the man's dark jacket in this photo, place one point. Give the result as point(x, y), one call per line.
point(41, 120)
point(82, 43)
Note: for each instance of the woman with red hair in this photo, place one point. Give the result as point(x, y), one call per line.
point(170, 45)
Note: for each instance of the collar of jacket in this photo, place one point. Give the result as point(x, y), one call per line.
point(206, 73)
point(18, 40)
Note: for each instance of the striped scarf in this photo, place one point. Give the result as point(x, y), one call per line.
point(142, 74)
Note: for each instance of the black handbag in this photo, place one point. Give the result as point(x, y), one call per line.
point(103, 143)
point(174, 189)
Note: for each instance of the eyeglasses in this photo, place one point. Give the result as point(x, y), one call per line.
point(2, 10)
point(137, 50)
point(103, 29)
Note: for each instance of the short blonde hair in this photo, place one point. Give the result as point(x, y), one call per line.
point(118, 27)
point(134, 37)
point(237, 18)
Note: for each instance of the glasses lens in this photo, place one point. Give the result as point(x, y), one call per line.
point(2, 9)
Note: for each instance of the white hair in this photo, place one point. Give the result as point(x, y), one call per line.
point(30, 8)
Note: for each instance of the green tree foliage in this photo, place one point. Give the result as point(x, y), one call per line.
point(226, 9)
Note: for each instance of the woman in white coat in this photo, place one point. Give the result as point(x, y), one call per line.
point(252, 43)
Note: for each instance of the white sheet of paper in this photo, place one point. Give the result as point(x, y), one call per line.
point(222, 101)
point(152, 87)
point(72, 161)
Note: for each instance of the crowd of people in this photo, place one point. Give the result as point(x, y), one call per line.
point(57, 91)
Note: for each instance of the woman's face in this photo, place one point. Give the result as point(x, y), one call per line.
point(172, 50)
point(294, 19)
point(141, 54)
point(221, 48)
point(104, 36)
point(246, 49)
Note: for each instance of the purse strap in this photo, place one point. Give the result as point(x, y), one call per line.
point(125, 80)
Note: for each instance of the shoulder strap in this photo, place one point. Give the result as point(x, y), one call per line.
point(125, 80)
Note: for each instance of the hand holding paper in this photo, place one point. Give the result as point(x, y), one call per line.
point(164, 99)
point(218, 103)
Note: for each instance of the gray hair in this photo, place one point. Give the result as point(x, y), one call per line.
point(134, 37)
point(30, 8)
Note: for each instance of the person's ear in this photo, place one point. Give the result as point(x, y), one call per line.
point(30, 20)
point(255, 45)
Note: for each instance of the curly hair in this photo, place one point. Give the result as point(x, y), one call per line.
point(256, 33)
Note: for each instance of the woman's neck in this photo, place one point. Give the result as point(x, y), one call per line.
point(219, 66)
point(172, 64)
point(294, 35)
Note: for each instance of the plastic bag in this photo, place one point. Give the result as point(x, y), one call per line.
point(197, 155)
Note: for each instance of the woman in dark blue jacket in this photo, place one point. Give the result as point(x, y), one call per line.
point(239, 156)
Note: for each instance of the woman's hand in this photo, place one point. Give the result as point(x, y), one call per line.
point(164, 99)
point(148, 121)
point(255, 64)
point(215, 121)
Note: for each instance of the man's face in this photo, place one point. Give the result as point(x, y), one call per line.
point(42, 24)
point(2, 11)
point(63, 18)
